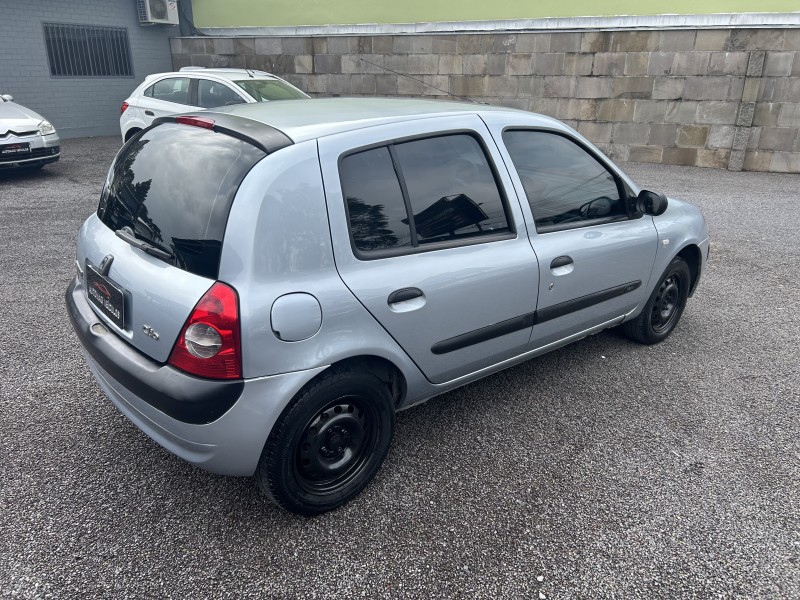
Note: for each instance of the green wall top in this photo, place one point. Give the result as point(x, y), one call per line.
point(263, 13)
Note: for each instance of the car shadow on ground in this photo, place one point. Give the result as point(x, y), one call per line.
point(25, 173)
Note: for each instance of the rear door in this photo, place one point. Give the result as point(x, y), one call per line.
point(595, 255)
point(428, 241)
point(165, 97)
point(171, 188)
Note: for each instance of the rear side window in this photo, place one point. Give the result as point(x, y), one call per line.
point(375, 205)
point(173, 187)
point(417, 193)
point(171, 89)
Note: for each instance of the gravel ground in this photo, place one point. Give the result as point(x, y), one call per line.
point(602, 470)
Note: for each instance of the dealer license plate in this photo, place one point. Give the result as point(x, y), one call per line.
point(14, 149)
point(106, 296)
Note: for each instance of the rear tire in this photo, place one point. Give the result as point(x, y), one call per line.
point(665, 306)
point(328, 443)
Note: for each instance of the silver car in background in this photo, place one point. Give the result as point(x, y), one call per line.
point(263, 287)
point(27, 139)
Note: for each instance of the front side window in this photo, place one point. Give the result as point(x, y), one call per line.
point(420, 192)
point(565, 185)
point(265, 90)
point(211, 94)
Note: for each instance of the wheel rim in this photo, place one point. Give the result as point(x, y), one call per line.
point(336, 445)
point(666, 304)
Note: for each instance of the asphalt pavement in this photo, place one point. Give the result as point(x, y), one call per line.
point(605, 469)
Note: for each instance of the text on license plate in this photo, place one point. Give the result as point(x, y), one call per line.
point(106, 296)
point(15, 149)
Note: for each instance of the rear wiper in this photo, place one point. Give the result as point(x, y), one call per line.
point(127, 234)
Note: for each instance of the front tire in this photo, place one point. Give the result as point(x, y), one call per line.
point(328, 443)
point(665, 306)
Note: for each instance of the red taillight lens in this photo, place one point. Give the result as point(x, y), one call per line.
point(203, 122)
point(124, 107)
point(209, 345)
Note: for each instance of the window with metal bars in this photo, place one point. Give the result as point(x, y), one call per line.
point(87, 50)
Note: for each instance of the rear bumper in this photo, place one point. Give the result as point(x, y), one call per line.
point(178, 395)
point(229, 444)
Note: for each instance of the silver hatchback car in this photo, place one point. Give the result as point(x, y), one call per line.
point(263, 287)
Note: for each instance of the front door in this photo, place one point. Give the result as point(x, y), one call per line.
point(426, 239)
point(595, 255)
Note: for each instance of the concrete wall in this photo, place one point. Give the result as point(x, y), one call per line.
point(77, 106)
point(727, 98)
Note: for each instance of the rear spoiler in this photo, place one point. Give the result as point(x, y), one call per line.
point(259, 134)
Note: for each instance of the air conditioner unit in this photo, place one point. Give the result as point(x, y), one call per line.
point(157, 12)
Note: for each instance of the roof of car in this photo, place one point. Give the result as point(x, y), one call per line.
point(320, 117)
point(229, 74)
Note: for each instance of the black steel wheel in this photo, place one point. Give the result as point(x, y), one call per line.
point(336, 444)
point(328, 443)
point(664, 307)
point(664, 311)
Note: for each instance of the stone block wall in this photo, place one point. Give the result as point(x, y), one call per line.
point(723, 98)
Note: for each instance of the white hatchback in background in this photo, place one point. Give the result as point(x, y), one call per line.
point(194, 88)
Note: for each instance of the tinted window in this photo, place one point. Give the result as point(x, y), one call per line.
point(269, 89)
point(451, 188)
point(172, 89)
point(375, 205)
point(211, 94)
point(174, 187)
point(446, 182)
point(563, 182)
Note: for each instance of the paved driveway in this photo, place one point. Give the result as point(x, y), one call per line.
point(602, 470)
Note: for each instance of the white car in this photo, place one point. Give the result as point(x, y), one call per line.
point(194, 88)
point(27, 139)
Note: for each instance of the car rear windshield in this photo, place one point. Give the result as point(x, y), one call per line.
point(173, 188)
point(264, 90)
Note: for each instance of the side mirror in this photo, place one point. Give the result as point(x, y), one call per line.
point(7, 97)
point(651, 203)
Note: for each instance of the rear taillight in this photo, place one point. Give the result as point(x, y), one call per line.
point(124, 107)
point(208, 345)
point(203, 122)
